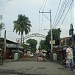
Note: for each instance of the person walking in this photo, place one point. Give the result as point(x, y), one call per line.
point(69, 57)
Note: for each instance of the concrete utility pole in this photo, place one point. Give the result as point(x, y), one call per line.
point(1, 17)
point(5, 41)
point(50, 29)
point(72, 33)
point(4, 53)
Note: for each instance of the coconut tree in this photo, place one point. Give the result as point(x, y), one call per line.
point(21, 25)
point(1, 27)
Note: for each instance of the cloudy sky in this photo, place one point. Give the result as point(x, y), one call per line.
point(10, 9)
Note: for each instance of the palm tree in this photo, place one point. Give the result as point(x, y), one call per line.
point(21, 25)
point(1, 27)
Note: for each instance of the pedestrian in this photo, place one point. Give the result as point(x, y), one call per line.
point(69, 57)
point(44, 56)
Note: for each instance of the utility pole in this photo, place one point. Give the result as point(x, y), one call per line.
point(4, 53)
point(50, 29)
point(71, 33)
point(1, 17)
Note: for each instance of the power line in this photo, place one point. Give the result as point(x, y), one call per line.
point(46, 17)
point(57, 10)
point(42, 9)
point(66, 5)
point(43, 5)
point(67, 12)
point(62, 12)
point(68, 9)
point(58, 15)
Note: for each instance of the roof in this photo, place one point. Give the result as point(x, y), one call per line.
point(0, 49)
point(14, 46)
point(11, 44)
point(7, 41)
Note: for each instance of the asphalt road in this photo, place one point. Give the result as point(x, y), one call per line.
point(33, 68)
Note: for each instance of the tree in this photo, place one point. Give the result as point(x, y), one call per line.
point(1, 27)
point(43, 45)
point(32, 44)
point(21, 25)
point(55, 34)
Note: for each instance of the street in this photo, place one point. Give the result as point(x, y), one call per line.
point(33, 68)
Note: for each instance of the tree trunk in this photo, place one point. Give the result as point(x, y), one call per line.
point(0, 33)
point(21, 39)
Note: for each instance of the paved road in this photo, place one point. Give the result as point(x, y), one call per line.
point(30, 67)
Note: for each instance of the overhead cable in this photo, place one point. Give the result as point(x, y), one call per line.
point(67, 12)
point(66, 5)
point(43, 5)
point(63, 11)
point(57, 10)
point(58, 15)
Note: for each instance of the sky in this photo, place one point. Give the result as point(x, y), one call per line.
point(10, 9)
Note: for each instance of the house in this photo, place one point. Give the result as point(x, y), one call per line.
point(66, 40)
point(11, 48)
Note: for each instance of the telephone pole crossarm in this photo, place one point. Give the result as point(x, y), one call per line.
point(44, 12)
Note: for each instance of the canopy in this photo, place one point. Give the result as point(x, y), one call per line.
point(0, 49)
point(44, 51)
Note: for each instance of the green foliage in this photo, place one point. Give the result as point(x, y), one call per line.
point(1, 45)
point(21, 25)
point(25, 46)
point(55, 34)
point(45, 44)
point(32, 44)
point(2, 26)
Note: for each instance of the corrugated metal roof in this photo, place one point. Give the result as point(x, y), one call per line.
point(14, 46)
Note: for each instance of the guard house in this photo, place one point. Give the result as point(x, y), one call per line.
point(11, 48)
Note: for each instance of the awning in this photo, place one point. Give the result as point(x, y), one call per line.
point(44, 51)
point(0, 49)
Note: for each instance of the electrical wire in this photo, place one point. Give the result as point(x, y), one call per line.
point(58, 15)
point(42, 5)
point(57, 10)
point(61, 12)
point(67, 4)
point(42, 9)
point(67, 12)
point(46, 17)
